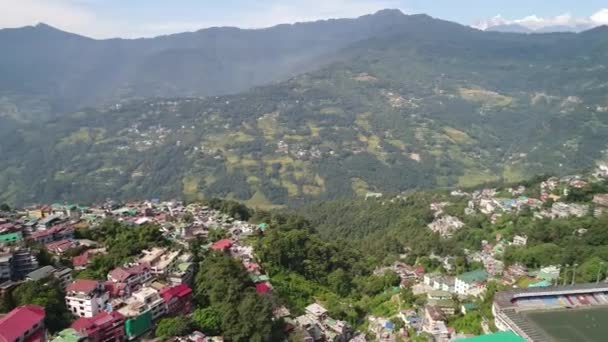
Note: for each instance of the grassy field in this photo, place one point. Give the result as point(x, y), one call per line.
point(587, 325)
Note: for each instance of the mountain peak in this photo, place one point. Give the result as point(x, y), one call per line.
point(389, 12)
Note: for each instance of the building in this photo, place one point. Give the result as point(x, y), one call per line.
point(86, 298)
point(13, 237)
point(103, 327)
point(69, 335)
point(502, 336)
point(520, 240)
point(23, 262)
point(222, 245)
point(318, 326)
point(178, 299)
point(433, 323)
point(23, 324)
point(138, 325)
point(146, 299)
point(471, 283)
point(6, 266)
point(64, 275)
point(133, 276)
point(511, 308)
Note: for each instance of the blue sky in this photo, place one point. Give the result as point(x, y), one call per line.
point(144, 18)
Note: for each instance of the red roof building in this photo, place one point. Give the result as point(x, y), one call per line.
point(178, 299)
point(60, 247)
point(262, 288)
point(222, 245)
point(133, 276)
point(105, 326)
point(81, 261)
point(25, 323)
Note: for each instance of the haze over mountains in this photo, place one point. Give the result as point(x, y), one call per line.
point(387, 102)
point(59, 71)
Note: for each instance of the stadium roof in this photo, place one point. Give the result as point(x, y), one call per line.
point(504, 298)
point(504, 336)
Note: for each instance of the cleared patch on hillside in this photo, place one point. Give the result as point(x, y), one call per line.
point(485, 97)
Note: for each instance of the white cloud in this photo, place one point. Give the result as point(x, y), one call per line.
point(63, 14)
point(535, 22)
point(600, 17)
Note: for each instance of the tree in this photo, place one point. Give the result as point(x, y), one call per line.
point(207, 320)
point(5, 207)
point(49, 294)
point(174, 326)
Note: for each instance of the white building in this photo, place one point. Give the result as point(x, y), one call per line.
point(471, 283)
point(519, 240)
point(86, 298)
point(146, 299)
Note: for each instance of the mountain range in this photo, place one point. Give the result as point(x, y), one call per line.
point(383, 103)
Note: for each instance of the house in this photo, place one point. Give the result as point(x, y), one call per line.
point(520, 240)
point(178, 299)
point(86, 298)
point(61, 246)
point(133, 276)
point(262, 288)
point(601, 200)
point(23, 324)
point(105, 326)
point(434, 324)
point(318, 326)
point(471, 283)
point(81, 261)
point(222, 245)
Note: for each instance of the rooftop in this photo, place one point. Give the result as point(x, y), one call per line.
point(20, 320)
point(503, 336)
point(85, 286)
point(474, 276)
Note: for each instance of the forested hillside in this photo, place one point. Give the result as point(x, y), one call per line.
point(430, 104)
point(48, 71)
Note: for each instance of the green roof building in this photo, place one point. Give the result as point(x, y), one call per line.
point(11, 237)
point(503, 336)
point(137, 326)
point(471, 283)
point(69, 335)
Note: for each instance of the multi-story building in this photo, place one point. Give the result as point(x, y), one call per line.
point(6, 268)
point(471, 283)
point(86, 298)
point(64, 275)
point(23, 324)
point(23, 262)
point(178, 299)
point(133, 276)
point(146, 299)
point(103, 327)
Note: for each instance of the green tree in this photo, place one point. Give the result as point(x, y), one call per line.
point(171, 327)
point(207, 320)
point(5, 207)
point(49, 294)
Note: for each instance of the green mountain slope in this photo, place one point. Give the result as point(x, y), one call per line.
point(432, 104)
point(59, 71)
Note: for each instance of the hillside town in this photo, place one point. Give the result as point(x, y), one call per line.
point(130, 300)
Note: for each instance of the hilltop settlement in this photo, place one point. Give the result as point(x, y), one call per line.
point(145, 269)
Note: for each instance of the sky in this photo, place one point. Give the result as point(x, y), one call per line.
point(148, 18)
